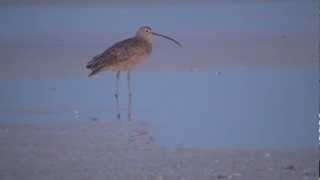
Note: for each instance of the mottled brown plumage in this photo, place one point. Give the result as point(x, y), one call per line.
point(124, 56)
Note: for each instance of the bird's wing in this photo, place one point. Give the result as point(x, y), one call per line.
point(119, 52)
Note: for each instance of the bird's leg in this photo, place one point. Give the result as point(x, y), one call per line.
point(116, 95)
point(130, 96)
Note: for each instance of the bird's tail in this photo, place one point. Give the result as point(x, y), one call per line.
point(94, 66)
point(91, 74)
point(94, 71)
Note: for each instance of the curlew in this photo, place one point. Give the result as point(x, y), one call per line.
point(124, 56)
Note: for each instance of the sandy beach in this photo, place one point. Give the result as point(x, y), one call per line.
point(124, 150)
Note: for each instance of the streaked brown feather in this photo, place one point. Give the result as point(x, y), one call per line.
point(122, 55)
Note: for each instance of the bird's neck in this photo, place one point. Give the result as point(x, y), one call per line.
point(145, 38)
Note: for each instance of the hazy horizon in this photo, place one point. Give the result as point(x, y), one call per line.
point(61, 39)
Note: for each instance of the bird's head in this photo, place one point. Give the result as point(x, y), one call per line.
point(146, 33)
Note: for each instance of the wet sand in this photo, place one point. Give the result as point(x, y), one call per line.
point(119, 150)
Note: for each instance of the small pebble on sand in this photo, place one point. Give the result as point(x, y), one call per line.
point(289, 167)
point(221, 176)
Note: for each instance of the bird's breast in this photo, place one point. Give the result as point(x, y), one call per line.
point(129, 64)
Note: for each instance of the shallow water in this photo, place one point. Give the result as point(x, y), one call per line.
point(246, 76)
point(238, 107)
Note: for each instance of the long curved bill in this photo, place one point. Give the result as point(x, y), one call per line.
point(167, 37)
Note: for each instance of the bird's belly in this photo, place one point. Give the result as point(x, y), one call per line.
point(128, 64)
